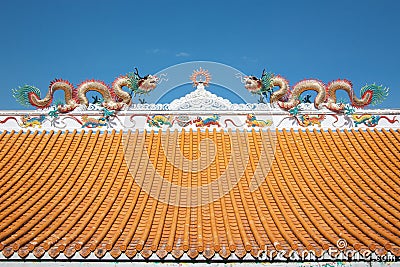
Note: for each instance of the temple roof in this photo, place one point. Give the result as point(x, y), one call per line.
point(201, 177)
point(198, 194)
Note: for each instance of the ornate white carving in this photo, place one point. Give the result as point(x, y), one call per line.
point(149, 107)
point(200, 99)
point(198, 109)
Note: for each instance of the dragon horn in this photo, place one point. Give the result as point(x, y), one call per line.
point(137, 73)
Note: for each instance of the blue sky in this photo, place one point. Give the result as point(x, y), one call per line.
point(79, 40)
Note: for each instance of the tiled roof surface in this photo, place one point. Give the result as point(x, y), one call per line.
point(73, 192)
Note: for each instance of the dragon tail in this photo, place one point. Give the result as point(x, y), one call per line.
point(390, 120)
point(23, 94)
point(231, 121)
point(377, 93)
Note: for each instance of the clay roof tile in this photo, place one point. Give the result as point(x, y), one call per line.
point(149, 192)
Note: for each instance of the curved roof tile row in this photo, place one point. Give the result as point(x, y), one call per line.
point(198, 192)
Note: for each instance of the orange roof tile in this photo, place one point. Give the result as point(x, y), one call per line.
point(198, 192)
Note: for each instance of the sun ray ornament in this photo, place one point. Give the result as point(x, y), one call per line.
point(200, 76)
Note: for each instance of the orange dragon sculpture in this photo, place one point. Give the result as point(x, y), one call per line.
point(114, 97)
point(326, 94)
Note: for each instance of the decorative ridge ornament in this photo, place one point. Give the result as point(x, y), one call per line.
point(141, 85)
point(198, 75)
point(200, 99)
point(200, 108)
point(326, 94)
point(259, 86)
point(114, 97)
point(284, 98)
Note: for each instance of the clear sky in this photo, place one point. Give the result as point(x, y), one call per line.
point(85, 39)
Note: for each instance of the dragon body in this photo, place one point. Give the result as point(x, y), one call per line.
point(28, 94)
point(159, 121)
point(253, 122)
point(287, 98)
point(370, 94)
point(28, 121)
point(92, 122)
point(370, 120)
point(202, 122)
point(307, 120)
point(301, 87)
point(114, 97)
point(283, 90)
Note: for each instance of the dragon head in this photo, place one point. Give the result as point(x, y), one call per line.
point(141, 85)
point(250, 117)
point(259, 85)
point(147, 83)
point(253, 84)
